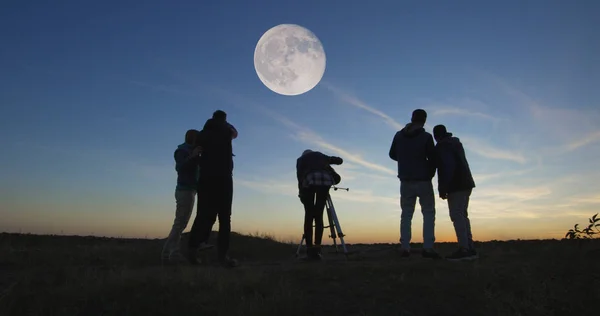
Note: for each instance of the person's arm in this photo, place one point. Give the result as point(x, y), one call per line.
point(234, 132)
point(333, 160)
point(184, 158)
point(392, 152)
point(446, 169)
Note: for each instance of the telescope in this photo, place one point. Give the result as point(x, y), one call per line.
point(338, 188)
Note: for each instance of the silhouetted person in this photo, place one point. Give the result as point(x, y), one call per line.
point(455, 183)
point(215, 187)
point(187, 158)
point(413, 149)
point(315, 177)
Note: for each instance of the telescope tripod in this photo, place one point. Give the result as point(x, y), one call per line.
point(335, 228)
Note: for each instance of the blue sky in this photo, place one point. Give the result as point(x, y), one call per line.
point(95, 97)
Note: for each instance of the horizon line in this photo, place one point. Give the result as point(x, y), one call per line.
point(264, 236)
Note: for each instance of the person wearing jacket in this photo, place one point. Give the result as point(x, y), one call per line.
point(215, 187)
point(455, 184)
point(187, 157)
point(413, 150)
point(315, 178)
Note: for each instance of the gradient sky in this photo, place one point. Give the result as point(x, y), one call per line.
point(95, 97)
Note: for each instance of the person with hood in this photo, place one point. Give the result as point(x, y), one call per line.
point(455, 184)
point(215, 188)
point(413, 150)
point(315, 177)
point(187, 158)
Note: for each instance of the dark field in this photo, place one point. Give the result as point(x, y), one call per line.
point(55, 275)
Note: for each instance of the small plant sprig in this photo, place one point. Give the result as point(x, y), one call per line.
point(587, 233)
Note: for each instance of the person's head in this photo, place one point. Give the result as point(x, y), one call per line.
point(440, 132)
point(219, 115)
point(419, 116)
point(190, 136)
point(308, 151)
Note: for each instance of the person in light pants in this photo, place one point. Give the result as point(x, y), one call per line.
point(186, 157)
point(455, 184)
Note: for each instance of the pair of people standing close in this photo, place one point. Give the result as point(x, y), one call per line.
point(418, 159)
point(204, 165)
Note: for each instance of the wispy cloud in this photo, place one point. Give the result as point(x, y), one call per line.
point(457, 111)
point(362, 105)
point(484, 149)
point(593, 199)
point(275, 186)
point(484, 177)
point(568, 127)
point(435, 109)
point(309, 137)
point(354, 175)
point(533, 197)
point(312, 138)
point(525, 202)
point(590, 138)
point(515, 192)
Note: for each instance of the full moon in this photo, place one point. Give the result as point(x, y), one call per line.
point(289, 59)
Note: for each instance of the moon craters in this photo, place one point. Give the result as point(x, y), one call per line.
point(289, 59)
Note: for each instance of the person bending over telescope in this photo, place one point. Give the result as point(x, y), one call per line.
point(315, 177)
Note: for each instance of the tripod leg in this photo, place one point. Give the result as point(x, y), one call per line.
point(331, 225)
point(300, 246)
point(338, 226)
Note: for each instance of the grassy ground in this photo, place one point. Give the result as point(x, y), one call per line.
point(54, 275)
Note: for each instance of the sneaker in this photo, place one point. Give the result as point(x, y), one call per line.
point(430, 253)
point(461, 254)
point(228, 262)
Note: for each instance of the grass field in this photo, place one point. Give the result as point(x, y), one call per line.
point(64, 275)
